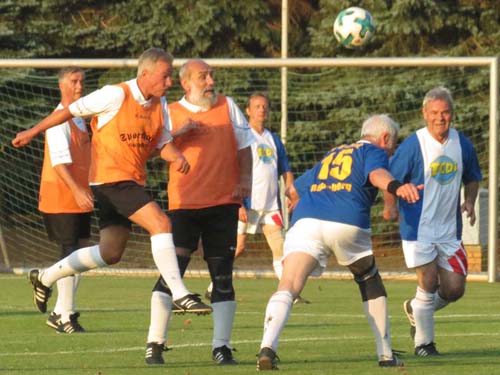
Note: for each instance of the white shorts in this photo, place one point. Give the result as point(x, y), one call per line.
point(257, 218)
point(450, 255)
point(320, 239)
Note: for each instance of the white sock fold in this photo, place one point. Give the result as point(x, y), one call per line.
point(378, 317)
point(423, 311)
point(163, 249)
point(223, 318)
point(161, 312)
point(82, 260)
point(439, 302)
point(277, 313)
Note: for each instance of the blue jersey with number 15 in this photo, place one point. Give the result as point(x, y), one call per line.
point(338, 188)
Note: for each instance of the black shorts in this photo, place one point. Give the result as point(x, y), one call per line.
point(117, 201)
point(216, 226)
point(67, 228)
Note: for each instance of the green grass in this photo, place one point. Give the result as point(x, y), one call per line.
point(330, 336)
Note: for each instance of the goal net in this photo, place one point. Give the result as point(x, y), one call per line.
point(326, 107)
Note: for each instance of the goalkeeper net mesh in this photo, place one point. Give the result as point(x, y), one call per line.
point(326, 107)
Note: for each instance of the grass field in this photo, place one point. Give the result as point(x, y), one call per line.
point(329, 336)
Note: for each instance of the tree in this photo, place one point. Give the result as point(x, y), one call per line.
point(123, 28)
point(415, 28)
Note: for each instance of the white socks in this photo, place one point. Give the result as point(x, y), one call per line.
point(439, 303)
point(423, 311)
point(161, 312)
point(65, 305)
point(78, 261)
point(277, 313)
point(378, 317)
point(223, 318)
point(163, 249)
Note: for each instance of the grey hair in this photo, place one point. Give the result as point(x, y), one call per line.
point(150, 57)
point(184, 72)
point(374, 126)
point(438, 93)
point(64, 72)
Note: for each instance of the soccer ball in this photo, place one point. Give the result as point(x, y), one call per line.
point(353, 27)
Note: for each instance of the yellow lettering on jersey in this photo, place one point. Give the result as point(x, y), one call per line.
point(443, 168)
point(337, 165)
point(334, 187)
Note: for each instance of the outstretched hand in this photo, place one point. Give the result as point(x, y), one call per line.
point(409, 192)
point(23, 138)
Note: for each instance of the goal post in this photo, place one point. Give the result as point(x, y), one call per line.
point(324, 100)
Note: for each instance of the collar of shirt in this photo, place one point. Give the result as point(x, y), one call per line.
point(257, 134)
point(137, 94)
point(190, 106)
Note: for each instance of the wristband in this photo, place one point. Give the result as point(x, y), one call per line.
point(393, 186)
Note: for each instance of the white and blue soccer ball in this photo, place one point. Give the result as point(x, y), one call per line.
point(353, 27)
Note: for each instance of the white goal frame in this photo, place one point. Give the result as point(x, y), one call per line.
point(492, 63)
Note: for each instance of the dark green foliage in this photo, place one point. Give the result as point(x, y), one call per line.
point(415, 28)
point(118, 29)
point(325, 107)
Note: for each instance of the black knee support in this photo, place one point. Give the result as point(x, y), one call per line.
point(221, 272)
point(161, 285)
point(366, 275)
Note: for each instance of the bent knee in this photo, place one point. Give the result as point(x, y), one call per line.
point(452, 294)
point(162, 225)
point(111, 255)
point(112, 259)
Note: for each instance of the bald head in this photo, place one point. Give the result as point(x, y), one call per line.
point(197, 80)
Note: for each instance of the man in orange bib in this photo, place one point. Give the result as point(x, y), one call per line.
point(204, 203)
point(66, 202)
point(129, 123)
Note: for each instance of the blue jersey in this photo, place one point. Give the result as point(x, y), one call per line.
point(338, 187)
point(442, 168)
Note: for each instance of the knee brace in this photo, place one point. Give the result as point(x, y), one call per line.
point(68, 249)
point(161, 285)
point(221, 272)
point(366, 275)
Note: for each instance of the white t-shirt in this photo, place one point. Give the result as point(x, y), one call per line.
point(107, 101)
point(442, 168)
point(242, 133)
point(265, 172)
point(58, 139)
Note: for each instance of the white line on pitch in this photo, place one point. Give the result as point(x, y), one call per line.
point(236, 342)
point(11, 308)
